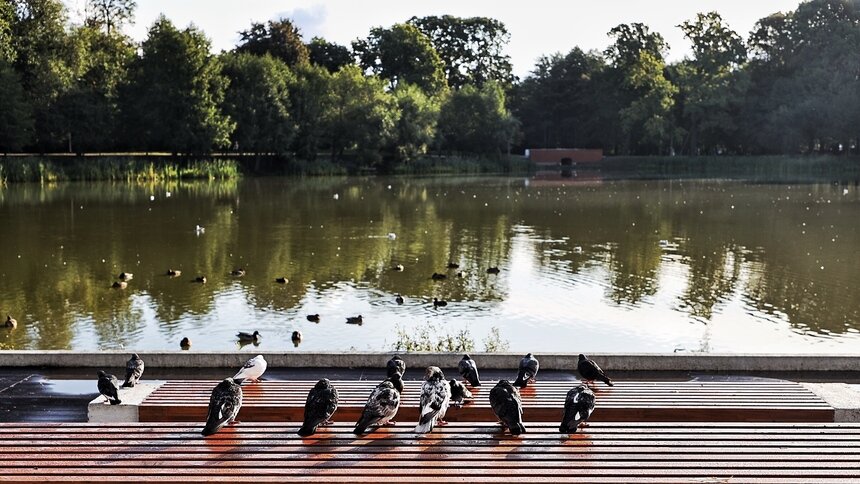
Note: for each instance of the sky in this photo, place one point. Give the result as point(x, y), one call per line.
point(537, 27)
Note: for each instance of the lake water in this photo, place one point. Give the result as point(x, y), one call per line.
point(591, 266)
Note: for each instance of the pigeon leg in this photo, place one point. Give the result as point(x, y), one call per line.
point(327, 422)
point(391, 422)
point(441, 423)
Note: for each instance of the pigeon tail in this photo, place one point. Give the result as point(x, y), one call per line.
point(128, 384)
point(423, 428)
point(517, 429)
point(608, 381)
point(361, 426)
point(308, 430)
point(115, 402)
point(207, 430)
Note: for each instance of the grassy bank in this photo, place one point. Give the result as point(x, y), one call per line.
point(459, 164)
point(47, 169)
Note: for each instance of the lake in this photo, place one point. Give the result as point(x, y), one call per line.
point(585, 265)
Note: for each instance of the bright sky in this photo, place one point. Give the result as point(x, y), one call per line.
point(537, 27)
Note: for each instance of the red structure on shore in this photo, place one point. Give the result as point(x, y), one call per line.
point(563, 156)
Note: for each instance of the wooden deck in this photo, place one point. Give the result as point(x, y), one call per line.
point(263, 452)
point(627, 401)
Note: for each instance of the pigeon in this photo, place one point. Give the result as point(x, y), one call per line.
point(453, 265)
point(529, 366)
point(398, 299)
point(469, 371)
point(354, 320)
point(438, 277)
point(435, 397)
point(589, 371)
point(381, 407)
point(493, 270)
point(125, 276)
point(297, 338)
point(11, 322)
point(119, 285)
point(395, 365)
point(320, 406)
point(133, 371)
point(459, 393)
point(239, 272)
point(249, 337)
point(108, 387)
point(397, 381)
point(185, 343)
point(174, 273)
point(253, 369)
point(314, 318)
point(439, 303)
point(397, 268)
point(578, 406)
point(200, 279)
point(508, 407)
point(224, 405)
point(281, 280)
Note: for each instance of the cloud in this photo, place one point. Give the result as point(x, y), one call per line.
point(309, 20)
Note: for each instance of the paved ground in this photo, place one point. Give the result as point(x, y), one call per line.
point(61, 395)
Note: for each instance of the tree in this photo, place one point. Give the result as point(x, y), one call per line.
point(16, 121)
point(328, 54)
point(7, 19)
point(416, 124)
point(475, 120)
point(401, 54)
point(472, 49)
point(258, 101)
point(109, 14)
point(362, 117)
point(311, 101)
point(279, 38)
point(630, 40)
point(174, 93)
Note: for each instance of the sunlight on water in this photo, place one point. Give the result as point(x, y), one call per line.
point(633, 266)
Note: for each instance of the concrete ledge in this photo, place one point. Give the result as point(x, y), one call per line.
point(739, 363)
point(842, 397)
point(100, 411)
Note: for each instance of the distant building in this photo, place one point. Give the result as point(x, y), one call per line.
point(563, 156)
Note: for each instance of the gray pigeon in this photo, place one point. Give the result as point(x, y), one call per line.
point(435, 398)
point(459, 393)
point(469, 371)
point(108, 385)
point(381, 407)
point(529, 367)
point(224, 405)
point(577, 408)
point(320, 406)
point(589, 371)
point(397, 381)
point(133, 371)
point(395, 365)
point(508, 407)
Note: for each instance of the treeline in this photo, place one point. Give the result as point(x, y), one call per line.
point(429, 85)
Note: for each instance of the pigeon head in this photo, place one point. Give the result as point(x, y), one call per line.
point(323, 384)
point(579, 388)
point(134, 356)
point(581, 357)
point(102, 374)
point(466, 357)
point(396, 357)
point(433, 373)
point(528, 355)
point(504, 384)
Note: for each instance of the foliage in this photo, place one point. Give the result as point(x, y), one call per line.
point(279, 38)
point(431, 338)
point(174, 93)
point(401, 54)
point(310, 98)
point(109, 14)
point(114, 168)
point(16, 121)
point(416, 125)
point(472, 49)
point(328, 54)
point(258, 101)
point(474, 120)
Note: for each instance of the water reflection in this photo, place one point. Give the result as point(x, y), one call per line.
point(586, 264)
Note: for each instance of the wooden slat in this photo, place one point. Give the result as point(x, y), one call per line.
point(604, 452)
point(634, 401)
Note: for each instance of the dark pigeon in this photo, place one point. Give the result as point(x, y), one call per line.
point(397, 381)
point(224, 405)
point(578, 406)
point(589, 371)
point(469, 371)
point(108, 385)
point(320, 406)
point(508, 407)
point(529, 367)
point(395, 365)
point(435, 398)
point(459, 393)
point(381, 407)
point(133, 371)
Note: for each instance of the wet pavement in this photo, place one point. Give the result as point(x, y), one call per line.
point(62, 395)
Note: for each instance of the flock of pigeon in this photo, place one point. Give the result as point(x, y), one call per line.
point(437, 394)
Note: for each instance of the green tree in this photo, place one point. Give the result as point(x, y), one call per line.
point(475, 120)
point(416, 125)
point(472, 49)
point(279, 38)
point(401, 54)
point(328, 54)
point(363, 115)
point(109, 15)
point(16, 121)
point(311, 101)
point(258, 101)
point(175, 90)
point(7, 19)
